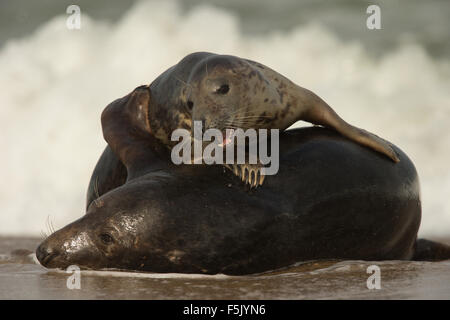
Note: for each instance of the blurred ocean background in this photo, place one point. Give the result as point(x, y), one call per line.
point(55, 82)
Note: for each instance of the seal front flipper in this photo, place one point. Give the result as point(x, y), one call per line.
point(249, 173)
point(321, 113)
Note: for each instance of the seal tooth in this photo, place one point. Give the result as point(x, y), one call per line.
point(261, 179)
point(236, 170)
point(251, 177)
point(255, 180)
point(244, 173)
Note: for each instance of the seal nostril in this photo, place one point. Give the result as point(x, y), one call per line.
point(190, 104)
point(44, 254)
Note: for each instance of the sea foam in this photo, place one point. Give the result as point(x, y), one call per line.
point(55, 83)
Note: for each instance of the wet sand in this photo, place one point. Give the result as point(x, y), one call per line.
point(22, 278)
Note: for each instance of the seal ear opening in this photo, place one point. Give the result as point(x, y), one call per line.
point(126, 128)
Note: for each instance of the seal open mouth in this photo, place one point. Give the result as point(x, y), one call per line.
point(227, 137)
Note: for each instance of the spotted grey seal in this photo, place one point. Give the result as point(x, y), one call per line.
point(228, 92)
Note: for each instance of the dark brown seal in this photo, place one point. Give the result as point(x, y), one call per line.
point(148, 214)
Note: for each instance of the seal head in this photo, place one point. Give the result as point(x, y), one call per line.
point(227, 92)
point(230, 92)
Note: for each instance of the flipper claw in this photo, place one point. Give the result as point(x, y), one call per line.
point(248, 173)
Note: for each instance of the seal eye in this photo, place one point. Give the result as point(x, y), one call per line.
point(106, 238)
point(223, 89)
point(190, 104)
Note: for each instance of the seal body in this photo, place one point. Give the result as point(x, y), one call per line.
point(331, 199)
point(228, 92)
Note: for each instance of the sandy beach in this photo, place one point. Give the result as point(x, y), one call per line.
point(22, 278)
point(56, 81)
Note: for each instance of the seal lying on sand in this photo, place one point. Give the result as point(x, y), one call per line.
point(331, 199)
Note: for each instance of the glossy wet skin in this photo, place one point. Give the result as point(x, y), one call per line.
point(128, 228)
point(114, 241)
point(200, 219)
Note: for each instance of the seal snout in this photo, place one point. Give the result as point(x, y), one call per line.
point(45, 254)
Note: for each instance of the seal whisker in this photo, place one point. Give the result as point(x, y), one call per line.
point(47, 225)
point(248, 120)
point(52, 228)
point(226, 123)
point(244, 120)
point(252, 117)
point(43, 235)
point(238, 110)
point(242, 123)
point(231, 127)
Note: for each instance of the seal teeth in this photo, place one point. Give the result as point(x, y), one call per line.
point(249, 174)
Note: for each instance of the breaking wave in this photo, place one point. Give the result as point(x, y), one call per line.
point(56, 82)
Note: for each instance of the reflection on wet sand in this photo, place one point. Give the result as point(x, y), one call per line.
point(22, 278)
